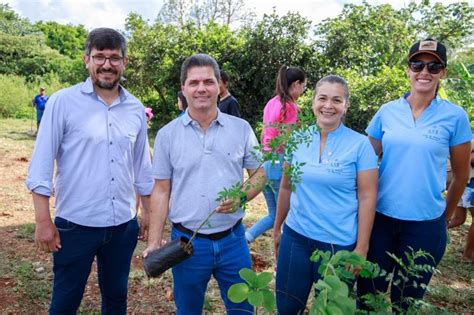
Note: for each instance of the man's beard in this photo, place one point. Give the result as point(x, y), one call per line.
point(106, 85)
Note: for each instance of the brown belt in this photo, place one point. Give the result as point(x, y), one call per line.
point(213, 236)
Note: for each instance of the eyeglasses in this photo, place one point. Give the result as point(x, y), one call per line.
point(433, 67)
point(100, 60)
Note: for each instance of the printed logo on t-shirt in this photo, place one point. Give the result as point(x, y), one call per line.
point(334, 166)
point(433, 133)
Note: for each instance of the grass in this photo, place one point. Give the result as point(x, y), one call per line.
point(452, 288)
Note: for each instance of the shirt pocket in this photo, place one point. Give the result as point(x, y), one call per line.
point(127, 144)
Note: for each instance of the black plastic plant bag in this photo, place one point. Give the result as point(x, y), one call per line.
point(167, 256)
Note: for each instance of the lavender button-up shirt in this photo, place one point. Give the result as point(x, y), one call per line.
point(101, 153)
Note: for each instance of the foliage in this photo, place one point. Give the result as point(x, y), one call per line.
point(412, 266)
point(367, 44)
point(333, 294)
point(12, 24)
point(67, 39)
point(17, 102)
point(367, 38)
point(255, 290)
point(28, 56)
point(364, 38)
point(201, 12)
point(459, 88)
point(271, 43)
point(451, 24)
point(368, 93)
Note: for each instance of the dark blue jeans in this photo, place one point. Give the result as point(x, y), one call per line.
point(296, 272)
point(396, 236)
point(113, 246)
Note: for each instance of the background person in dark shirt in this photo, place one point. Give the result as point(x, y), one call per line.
point(227, 103)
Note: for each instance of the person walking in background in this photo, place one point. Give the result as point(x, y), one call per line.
point(280, 111)
point(332, 208)
point(459, 217)
point(196, 157)
point(182, 103)
point(96, 132)
point(227, 103)
point(39, 102)
point(414, 136)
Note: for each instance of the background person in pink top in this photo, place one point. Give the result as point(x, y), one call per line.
point(279, 111)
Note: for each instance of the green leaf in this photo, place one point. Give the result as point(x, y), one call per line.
point(249, 276)
point(263, 279)
point(238, 292)
point(269, 303)
point(255, 298)
point(346, 304)
point(334, 309)
point(322, 285)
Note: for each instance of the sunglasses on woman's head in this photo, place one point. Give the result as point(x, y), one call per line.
point(433, 67)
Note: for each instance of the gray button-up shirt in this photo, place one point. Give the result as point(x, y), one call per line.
point(200, 165)
point(101, 155)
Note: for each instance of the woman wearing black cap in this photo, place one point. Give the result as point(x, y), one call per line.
point(414, 136)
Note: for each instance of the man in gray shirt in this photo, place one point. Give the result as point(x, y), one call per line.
point(196, 156)
point(96, 132)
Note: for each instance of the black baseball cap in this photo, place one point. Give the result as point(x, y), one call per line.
point(429, 46)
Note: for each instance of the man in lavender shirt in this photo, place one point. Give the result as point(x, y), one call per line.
point(96, 132)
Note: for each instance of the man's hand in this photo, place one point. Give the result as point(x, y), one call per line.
point(144, 224)
point(228, 205)
point(152, 247)
point(47, 237)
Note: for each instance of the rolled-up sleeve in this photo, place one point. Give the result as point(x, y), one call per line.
point(252, 155)
point(142, 162)
point(48, 142)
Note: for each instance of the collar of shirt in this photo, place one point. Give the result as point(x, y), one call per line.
point(187, 120)
point(336, 131)
point(88, 88)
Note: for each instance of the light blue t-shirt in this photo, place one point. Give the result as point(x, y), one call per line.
point(412, 175)
point(324, 205)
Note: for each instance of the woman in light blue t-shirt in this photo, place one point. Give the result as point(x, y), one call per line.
point(414, 136)
point(333, 206)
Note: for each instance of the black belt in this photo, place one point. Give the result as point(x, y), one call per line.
point(212, 236)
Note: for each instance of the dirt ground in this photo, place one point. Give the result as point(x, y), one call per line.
point(26, 274)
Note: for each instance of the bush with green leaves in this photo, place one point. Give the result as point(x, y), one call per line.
point(15, 102)
point(333, 295)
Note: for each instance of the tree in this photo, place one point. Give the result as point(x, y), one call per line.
point(11, 23)
point(67, 39)
point(271, 43)
point(202, 12)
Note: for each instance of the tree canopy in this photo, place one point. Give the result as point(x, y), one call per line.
point(367, 44)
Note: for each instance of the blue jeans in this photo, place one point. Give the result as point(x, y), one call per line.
point(113, 246)
point(220, 258)
point(270, 192)
point(296, 272)
point(396, 236)
point(264, 224)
